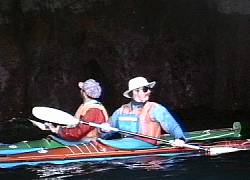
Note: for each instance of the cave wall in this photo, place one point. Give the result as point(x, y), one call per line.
point(197, 51)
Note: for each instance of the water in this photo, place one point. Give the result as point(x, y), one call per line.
point(227, 166)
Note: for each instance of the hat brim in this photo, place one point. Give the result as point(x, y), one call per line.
point(126, 93)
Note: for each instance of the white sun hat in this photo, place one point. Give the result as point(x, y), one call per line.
point(137, 82)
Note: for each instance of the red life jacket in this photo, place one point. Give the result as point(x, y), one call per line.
point(81, 111)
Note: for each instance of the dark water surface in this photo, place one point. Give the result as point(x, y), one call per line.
point(226, 166)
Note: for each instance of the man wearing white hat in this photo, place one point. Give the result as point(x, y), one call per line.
point(145, 117)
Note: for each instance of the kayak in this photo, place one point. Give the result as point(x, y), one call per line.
point(52, 142)
point(53, 150)
point(114, 149)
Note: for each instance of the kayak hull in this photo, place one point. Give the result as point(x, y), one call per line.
point(98, 151)
point(55, 151)
point(52, 142)
point(93, 151)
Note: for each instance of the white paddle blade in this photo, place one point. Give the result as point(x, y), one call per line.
point(39, 125)
point(222, 150)
point(213, 151)
point(54, 116)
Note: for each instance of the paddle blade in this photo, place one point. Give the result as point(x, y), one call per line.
point(213, 151)
point(39, 125)
point(222, 150)
point(54, 116)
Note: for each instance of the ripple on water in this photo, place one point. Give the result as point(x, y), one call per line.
point(228, 166)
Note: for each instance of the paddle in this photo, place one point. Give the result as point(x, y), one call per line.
point(60, 117)
point(54, 115)
point(40, 125)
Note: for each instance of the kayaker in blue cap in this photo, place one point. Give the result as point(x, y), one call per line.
point(145, 117)
point(90, 110)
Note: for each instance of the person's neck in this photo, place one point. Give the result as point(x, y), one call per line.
point(137, 104)
point(87, 100)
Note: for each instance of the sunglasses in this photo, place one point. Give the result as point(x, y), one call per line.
point(145, 89)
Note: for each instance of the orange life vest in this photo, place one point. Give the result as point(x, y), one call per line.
point(147, 124)
point(81, 111)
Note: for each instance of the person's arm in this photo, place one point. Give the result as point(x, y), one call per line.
point(167, 121)
point(93, 115)
point(113, 122)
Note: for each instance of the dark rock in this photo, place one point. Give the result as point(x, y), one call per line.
point(197, 51)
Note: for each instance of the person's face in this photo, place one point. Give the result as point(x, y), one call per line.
point(142, 94)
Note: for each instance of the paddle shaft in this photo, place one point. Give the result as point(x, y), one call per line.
point(122, 131)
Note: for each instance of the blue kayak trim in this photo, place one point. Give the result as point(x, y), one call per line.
point(128, 144)
point(60, 162)
point(18, 151)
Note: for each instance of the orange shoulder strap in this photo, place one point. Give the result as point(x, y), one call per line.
point(85, 107)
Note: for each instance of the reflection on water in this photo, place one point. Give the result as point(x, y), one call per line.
point(147, 164)
point(229, 166)
point(71, 170)
point(110, 168)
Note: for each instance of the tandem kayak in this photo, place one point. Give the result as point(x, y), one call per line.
point(54, 150)
point(114, 149)
point(52, 142)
